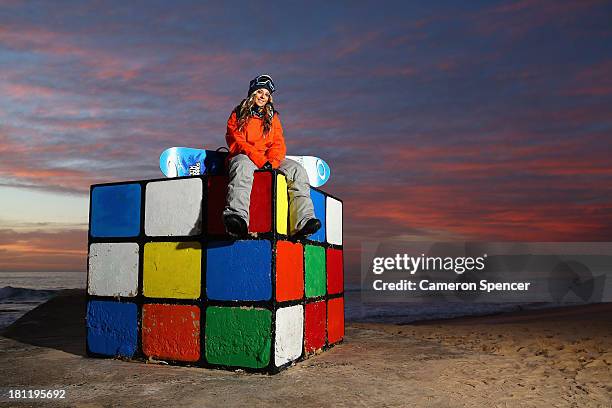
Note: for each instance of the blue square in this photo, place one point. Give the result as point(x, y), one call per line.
point(318, 200)
point(112, 328)
point(115, 211)
point(239, 270)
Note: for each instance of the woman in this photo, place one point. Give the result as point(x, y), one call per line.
point(255, 140)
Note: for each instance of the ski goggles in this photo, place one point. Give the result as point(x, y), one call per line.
point(263, 80)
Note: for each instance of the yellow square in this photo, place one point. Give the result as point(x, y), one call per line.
point(282, 204)
point(172, 270)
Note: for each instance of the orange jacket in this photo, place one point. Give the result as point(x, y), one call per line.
point(251, 141)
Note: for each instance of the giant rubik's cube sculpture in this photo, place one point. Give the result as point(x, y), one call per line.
point(166, 283)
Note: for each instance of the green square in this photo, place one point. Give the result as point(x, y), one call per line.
point(315, 270)
point(238, 336)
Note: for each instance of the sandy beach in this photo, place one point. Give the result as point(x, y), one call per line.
point(555, 357)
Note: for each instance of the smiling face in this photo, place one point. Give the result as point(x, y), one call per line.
point(262, 96)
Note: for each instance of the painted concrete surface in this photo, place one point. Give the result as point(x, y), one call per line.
point(171, 332)
point(289, 334)
point(113, 269)
point(333, 211)
point(314, 326)
point(282, 204)
point(260, 210)
point(112, 328)
point(289, 271)
point(335, 271)
point(335, 320)
point(173, 207)
point(238, 336)
point(314, 264)
point(318, 201)
point(172, 270)
point(215, 203)
point(115, 211)
point(239, 270)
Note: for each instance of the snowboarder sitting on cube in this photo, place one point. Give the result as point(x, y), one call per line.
point(255, 140)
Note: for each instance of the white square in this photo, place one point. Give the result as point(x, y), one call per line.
point(333, 223)
point(113, 269)
point(173, 208)
point(289, 334)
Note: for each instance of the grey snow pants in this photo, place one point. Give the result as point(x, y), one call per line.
point(241, 170)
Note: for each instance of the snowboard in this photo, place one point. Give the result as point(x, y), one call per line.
point(186, 161)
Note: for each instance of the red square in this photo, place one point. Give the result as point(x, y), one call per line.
point(335, 271)
point(260, 211)
point(314, 327)
point(289, 271)
point(171, 332)
point(335, 320)
point(217, 192)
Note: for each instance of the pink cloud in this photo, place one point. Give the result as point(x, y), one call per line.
point(356, 42)
point(447, 65)
point(12, 3)
point(503, 158)
point(594, 80)
point(21, 164)
point(27, 91)
point(464, 214)
point(101, 64)
point(591, 91)
point(43, 251)
point(394, 71)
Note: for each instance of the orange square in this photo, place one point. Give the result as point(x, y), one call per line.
point(289, 271)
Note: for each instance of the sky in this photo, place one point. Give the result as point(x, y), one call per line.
point(480, 120)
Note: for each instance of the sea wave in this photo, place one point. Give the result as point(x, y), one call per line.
point(13, 294)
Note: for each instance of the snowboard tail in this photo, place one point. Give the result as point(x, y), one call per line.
point(185, 161)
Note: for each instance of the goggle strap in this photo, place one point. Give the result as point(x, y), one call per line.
point(267, 80)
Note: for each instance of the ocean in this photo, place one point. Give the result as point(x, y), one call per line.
point(21, 292)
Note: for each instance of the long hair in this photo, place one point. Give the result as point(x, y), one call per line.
point(243, 112)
